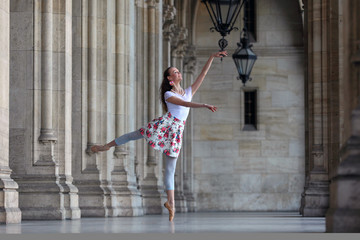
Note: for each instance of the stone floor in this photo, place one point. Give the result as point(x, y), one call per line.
point(216, 222)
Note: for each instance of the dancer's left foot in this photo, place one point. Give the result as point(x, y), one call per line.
point(99, 148)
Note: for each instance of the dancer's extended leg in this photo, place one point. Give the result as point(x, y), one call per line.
point(118, 141)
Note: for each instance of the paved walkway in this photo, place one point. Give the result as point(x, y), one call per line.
point(202, 222)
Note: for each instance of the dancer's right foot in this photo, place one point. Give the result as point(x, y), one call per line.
point(171, 211)
point(99, 148)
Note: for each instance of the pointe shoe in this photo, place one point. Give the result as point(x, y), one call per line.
point(171, 211)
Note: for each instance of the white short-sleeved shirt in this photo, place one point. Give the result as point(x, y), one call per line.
point(178, 111)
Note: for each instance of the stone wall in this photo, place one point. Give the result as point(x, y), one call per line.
point(260, 170)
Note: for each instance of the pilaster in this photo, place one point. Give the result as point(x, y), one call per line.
point(344, 211)
point(43, 165)
point(322, 137)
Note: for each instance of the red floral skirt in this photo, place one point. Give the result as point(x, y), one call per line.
point(165, 134)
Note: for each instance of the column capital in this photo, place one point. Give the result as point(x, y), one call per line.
point(180, 41)
point(190, 65)
point(190, 59)
point(169, 13)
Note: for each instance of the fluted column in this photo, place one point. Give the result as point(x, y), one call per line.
point(322, 103)
point(92, 67)
point(126, 196)
point(94, 193)
point(9, 197)
point(151, 186)
point(64, 113)
point(46, 131)
point(43, 62)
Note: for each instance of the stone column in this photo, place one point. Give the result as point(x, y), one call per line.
point(64, 97)
point(43, 62)
point(9, 197)
point(94, 195)
point(151, 186)
point(123, 178)
point(344, 212)
point(321, 34)
point(188, 137)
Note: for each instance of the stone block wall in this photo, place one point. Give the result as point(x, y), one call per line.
point(262, 170)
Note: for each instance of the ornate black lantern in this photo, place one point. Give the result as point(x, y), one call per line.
point(223, 14)
point(244, 57)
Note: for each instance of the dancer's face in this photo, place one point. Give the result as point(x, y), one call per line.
point(174, 75)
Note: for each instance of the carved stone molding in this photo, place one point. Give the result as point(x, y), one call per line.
point(169, 27)
point(168, 30)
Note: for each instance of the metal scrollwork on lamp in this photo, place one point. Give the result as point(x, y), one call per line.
point(223, 14)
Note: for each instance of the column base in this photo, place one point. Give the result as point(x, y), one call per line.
point(10, 215)
point(153, 198)
point(190, 202)
point(152, 201)
point(91, 199)
point(180, 202)
point(47, 198)
point(315, 199)
point(343, 221)
point(9, 198)
point(126, 197)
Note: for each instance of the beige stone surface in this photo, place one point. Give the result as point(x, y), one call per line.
point(264, 159)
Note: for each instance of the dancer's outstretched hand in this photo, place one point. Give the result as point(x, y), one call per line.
point(211, 107)
point(220, 54)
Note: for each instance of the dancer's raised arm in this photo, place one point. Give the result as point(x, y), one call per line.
point(195, 86)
